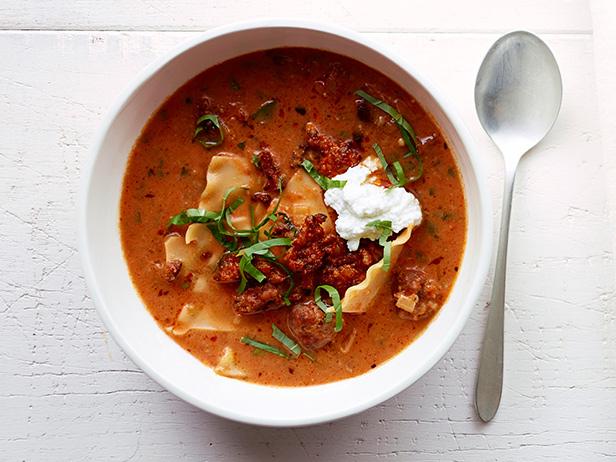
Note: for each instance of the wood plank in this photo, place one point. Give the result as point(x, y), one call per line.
point(69, 393)
point(546, 16)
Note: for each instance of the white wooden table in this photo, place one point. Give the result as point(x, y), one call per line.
point(68, 393)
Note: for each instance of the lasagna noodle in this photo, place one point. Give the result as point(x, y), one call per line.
point(199, 251)
point(228, 172)
point(194, 316)
point(302, 197)
point(359, 297)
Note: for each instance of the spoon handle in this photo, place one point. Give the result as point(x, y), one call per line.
point(490, 378)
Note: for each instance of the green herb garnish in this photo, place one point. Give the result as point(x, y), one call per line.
point(285, 296)
point(292, 346)
point(432, 229)
point(241, 145)
point(408, 134)
point(385, 227)
point(416, 163)
point(234, 84)
point(412, 157)
point(335, 298)
point(202, 127)
point(309, 356)
point(256, 160)
point(264, 346)
point(324, 182)
point(261, 249)
point(397, 179)
point(232, 239)
point(243, 241)
point(193, 216)
point(446, 216)
point(215, 221)
point(265, 111)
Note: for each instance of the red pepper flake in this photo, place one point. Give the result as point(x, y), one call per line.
point(213, 338)
point(149, 195)
point(436, 261)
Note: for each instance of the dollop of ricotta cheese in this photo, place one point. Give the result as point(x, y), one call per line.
point(360, 202)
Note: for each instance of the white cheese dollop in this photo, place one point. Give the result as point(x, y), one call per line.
point(359, 203)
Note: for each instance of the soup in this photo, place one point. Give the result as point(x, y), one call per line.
point(292, 217)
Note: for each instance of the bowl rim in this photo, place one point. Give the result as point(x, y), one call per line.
point(484, 208)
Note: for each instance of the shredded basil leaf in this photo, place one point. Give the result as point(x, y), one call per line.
point(233, 239)
point(265, 111)
point(386, 231)
point(309, 356)
point(264, 346)
point(279, 335)
point(285, 295)
point(397, 179)
point(324, 182)
point(193, 216)
point(201, 128)
point(244, 241)
point(412, 157)
point(408, 134)
point(262, 249)
point(335, 298)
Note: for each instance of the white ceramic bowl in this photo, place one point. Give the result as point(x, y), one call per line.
point(136, 331)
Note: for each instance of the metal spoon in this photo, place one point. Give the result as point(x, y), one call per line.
point(517, 96)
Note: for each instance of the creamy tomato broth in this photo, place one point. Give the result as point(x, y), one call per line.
point(226, 233)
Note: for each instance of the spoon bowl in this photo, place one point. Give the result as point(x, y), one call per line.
point(518, 93)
